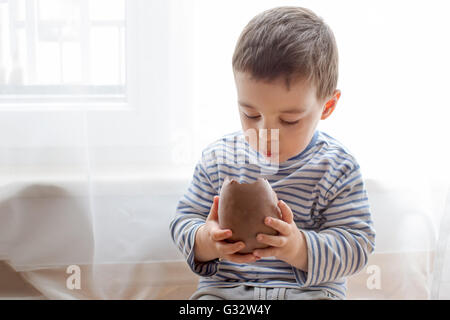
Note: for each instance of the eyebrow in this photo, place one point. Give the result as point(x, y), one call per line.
point(291, 110)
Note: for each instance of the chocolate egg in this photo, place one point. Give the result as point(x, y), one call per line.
point(243, 207)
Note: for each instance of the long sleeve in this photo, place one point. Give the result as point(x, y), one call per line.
point(345, 236)
point(326, 193)
point(191, 213)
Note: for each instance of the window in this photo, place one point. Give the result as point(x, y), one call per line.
point(57, 134)
point(63, 51)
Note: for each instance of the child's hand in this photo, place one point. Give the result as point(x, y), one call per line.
point(210, 241)
point(289, 245)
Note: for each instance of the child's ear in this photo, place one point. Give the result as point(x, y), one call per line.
point(330, 105)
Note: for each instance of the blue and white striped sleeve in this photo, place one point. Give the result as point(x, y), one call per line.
point(345, 237)
point(191, 213)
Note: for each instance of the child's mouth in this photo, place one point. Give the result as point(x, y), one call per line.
point(271, 155)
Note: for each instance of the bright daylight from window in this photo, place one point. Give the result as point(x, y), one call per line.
point(62, 50)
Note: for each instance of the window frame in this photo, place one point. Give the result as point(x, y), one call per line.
point(106, 102)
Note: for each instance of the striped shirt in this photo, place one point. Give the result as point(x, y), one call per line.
point(323, 187)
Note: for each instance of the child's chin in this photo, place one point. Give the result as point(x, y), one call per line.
point(274, 159)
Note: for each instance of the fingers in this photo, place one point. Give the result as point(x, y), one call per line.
point(286, 212)
point(226, 248)
point(274, 241)
point(229, 251)
point(241, 258)
point(220, 234)
point(279, 225)
point(266, 252)
point(214, 212)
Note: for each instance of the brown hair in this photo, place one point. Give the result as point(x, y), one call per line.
point(289, 42)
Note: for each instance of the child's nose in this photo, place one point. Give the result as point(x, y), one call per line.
point(268, 138)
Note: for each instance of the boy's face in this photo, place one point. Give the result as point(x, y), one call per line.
point(295, 113)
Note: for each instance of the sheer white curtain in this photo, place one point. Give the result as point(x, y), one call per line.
point(95, 184)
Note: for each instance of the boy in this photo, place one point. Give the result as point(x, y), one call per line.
point(286, 69)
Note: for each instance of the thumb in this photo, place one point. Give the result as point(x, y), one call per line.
point(214, 212)
point(286, 212)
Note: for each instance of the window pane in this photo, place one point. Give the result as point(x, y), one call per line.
point(48, 66)
point(20, 10)
point(71, 63)
point(46, 46)
point(65, 10)
point(19, 63)
point(105, 55)
point(115, 9)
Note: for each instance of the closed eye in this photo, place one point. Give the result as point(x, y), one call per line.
point(254, 117)
point(289, 122)
point(282, 121)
